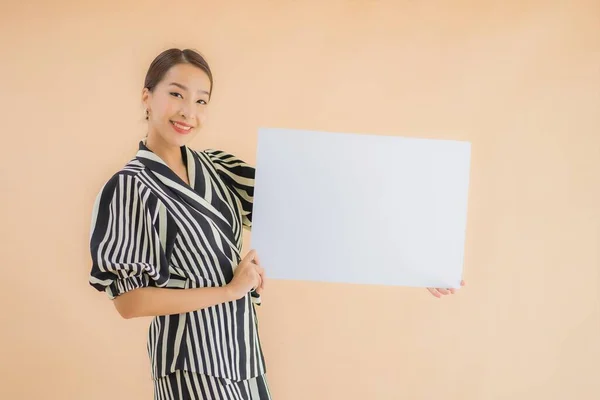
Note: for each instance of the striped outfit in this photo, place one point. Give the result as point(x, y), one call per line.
point(184, 385)
point(150, 228)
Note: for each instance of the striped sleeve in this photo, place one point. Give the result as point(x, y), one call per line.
point(127, 248)
point(239, 177)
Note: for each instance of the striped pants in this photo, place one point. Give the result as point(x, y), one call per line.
point(183, 385)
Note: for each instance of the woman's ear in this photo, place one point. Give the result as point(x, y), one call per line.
point(146, 96)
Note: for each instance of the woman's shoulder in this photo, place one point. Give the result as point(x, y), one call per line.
point(131, 170)
point(213, 153)
point(222, 158)
point(126, 179)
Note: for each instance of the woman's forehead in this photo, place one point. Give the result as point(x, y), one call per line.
point(190, 76)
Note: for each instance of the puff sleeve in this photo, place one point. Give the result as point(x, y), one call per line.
point(239, 177)
point(127, 238)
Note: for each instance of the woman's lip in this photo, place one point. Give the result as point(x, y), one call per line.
point(183, 124)
point(179, 130)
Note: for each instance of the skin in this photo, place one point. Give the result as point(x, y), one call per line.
point(182, 96)
point(440, 292)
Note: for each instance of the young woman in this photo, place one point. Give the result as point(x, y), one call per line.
point(166, 238)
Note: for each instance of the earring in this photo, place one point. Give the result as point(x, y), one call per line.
point(147, 114)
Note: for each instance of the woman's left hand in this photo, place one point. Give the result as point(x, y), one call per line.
point(439, 292)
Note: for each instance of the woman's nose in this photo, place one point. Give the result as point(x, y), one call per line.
point(187, 112)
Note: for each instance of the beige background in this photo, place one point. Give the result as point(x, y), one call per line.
point(519, 79)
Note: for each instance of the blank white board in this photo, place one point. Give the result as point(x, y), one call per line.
point(361, 209)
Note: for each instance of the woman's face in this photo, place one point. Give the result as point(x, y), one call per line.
point(177, 105)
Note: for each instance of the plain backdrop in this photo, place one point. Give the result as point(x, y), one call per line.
point(520, 80)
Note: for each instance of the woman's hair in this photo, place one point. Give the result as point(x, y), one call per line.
point(169, 58)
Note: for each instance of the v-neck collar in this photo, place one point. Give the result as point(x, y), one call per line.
point(159, 168)
point(155, 162)
point(170, 179)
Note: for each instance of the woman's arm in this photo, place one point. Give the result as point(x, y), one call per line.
point(153, 301)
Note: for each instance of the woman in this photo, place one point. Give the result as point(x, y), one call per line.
point(172, 219)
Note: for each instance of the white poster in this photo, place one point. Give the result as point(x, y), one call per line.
point(362, 209)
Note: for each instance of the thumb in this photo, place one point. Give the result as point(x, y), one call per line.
point(251, 255)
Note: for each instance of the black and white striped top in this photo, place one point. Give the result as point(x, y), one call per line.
point(150, 228)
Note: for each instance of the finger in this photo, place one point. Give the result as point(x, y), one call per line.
point(261, 272)
point(434, 292)
point(251, 256)
point(453, 290)
point(259, 280)
point(259, 288)
point(443, 291)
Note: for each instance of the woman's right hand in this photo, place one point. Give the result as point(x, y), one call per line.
point(247, 276)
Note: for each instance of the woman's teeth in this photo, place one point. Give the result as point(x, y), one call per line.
point(185, 128)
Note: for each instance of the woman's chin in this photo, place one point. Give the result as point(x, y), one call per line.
point(177, 139)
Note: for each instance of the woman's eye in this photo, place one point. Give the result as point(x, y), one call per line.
point(201, 102)
point(175, 94)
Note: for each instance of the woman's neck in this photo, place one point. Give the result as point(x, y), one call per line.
point(171, 155)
